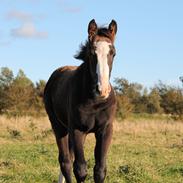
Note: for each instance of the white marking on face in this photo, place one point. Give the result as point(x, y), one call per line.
point(102, 51)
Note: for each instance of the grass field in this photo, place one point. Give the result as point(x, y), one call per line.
point(142, 151)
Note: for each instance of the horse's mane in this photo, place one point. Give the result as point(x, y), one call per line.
point(82, 53)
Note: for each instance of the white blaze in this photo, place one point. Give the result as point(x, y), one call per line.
point(102, 51)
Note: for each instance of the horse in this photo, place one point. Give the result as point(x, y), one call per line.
point(80, 100)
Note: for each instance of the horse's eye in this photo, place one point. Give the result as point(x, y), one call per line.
point(112, 51)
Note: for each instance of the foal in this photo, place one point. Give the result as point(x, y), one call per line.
point(81, 100)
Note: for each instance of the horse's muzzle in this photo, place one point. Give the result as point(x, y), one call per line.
point(103, 92)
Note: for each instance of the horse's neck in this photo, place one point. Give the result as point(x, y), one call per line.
point(85, 84)
point(85, 80)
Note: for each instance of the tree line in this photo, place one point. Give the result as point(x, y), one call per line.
point(20, 96)
point(161, 99)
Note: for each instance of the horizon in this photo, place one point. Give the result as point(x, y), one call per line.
point(39, 36)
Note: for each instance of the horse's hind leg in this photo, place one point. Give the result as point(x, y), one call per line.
point(62, 137)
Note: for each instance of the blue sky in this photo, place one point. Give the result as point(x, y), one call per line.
point(40, 35)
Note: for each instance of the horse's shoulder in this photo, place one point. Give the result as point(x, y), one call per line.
point(62, 74)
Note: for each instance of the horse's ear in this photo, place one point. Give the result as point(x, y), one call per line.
point(92, 29)
point(113, 28)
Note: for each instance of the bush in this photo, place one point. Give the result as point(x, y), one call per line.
point(124, 107)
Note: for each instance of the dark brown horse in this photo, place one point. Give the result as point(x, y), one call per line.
point(81, 100)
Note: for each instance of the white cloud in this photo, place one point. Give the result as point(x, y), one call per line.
point(23, 16)
point(19, 15)
point(28, 30)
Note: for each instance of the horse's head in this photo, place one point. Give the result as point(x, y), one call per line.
point(101, 52)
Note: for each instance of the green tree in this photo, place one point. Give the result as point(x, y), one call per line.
point(154, 102)
point(6, 79)
point(127, 96)
point(171, 99)
point(39, 91)
point(40, 87)
point(21, 95)
point(132, 91)
point(124, 107)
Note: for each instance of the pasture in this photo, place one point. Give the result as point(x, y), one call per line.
point(142, 151)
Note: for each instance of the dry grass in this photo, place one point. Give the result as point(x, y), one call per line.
point(26, 125)
point(29, 128)
point(22, 123)
point(153, 133)
point(128, 126)
point(146, 126)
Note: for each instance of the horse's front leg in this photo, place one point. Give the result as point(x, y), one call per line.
point(64, 159)
point(103, 139)
point(80, 168)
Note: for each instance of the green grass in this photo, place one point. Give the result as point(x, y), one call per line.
point(141, 152)
point(28, 163)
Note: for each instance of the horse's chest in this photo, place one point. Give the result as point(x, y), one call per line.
point(90, 121)
point(86, 121)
